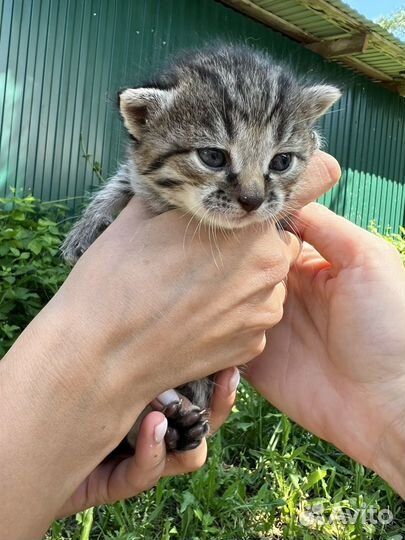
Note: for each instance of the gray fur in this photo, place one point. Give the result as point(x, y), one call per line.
point(99, 214)
point(231, 98)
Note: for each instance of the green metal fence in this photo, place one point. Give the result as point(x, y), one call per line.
point(61, 62)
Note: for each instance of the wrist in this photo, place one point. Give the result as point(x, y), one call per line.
point(54, 390)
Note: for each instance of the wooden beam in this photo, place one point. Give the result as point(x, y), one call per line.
point(268, 18)
point(371, 72)
point(401, 88)
point(340, 47)
point(332, 13)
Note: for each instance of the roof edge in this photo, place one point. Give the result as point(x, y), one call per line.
point(361, 34)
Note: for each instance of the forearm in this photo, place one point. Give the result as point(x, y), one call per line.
point(51, 392)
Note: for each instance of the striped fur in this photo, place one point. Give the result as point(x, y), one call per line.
point(231, 98)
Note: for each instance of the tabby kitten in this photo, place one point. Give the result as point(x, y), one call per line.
point(223, 133)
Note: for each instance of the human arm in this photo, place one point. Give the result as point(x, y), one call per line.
point(145, 309)
point(336, 362)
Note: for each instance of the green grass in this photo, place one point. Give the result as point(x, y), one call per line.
point(263, 474)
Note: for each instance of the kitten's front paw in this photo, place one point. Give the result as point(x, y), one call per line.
point(80, 239)
point(188, 425)
point(73, 249)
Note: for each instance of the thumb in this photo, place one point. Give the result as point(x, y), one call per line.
point(338, 240)
point(321, 175)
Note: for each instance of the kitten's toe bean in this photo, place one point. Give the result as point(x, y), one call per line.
point(198, 431)
point(190, 445)
point(190, 418)
point(172, 409)
point(171, 438)
point(188, 425)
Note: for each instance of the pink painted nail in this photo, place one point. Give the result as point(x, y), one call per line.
point(164, 399)
point(160, 431)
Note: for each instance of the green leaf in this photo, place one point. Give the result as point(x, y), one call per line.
point(35, 246)
point(10, 329)
point(31, 269)
point(188, 501)
point(18, 216)
point(313, 478)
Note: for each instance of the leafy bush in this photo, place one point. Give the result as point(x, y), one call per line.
point(31, 268)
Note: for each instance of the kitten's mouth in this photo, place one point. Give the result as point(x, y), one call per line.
point(235, 221)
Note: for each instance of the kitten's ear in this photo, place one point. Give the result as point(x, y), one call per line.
point(137, 105)
point(319, 98)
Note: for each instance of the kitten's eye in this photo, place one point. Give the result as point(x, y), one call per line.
point(280, 162)
point(212, 157)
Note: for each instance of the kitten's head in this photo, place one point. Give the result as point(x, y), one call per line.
point(223, 134)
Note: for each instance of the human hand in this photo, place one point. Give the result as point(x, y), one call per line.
point(150, 292)
point(151, 305)
point(336, 362)
point(144, 310)
point(125, 477)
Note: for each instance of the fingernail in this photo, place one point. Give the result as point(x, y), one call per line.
point(164, 399)
point(160, 431)
point(234, 381)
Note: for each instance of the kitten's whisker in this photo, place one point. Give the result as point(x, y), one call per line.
point(199, 224)
point(211, 246)
point(290, 222)
point(309, 118)
point(243, 369)
point(69, 218)
point(215, 230)
point(193, 216)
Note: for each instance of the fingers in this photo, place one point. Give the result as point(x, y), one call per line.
point(186, 462)
point(123, 478)
point(338, 240)
point(321, 175)
point(139, 472)
point(120, 479)
point(293, 246)
point(226, 383)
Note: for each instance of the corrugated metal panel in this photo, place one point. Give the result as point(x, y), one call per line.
point(319, 24)
point(61, 62)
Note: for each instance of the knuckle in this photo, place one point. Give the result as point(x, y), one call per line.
point(277, 315)
point(275, 270)
point(257, 345)
point(382, 252)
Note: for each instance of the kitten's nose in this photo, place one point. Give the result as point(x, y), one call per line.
point(250, 202)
